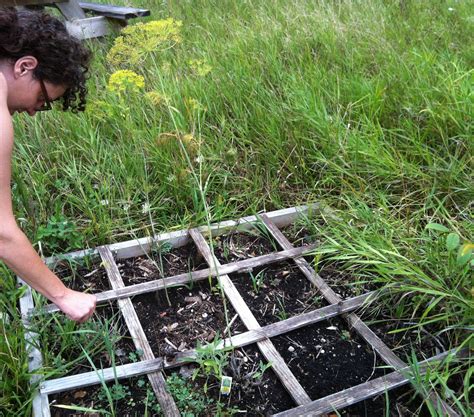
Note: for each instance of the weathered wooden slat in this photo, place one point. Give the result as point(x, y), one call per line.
point(157, 380)
point(114, 12)
point(267, 348)
point(185, 278)
point(387, 355)
point(35, 359)
point(360, 392)
point(138, 247)
point(240, 340)
point(71, 10)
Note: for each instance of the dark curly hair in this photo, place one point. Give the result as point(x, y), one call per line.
point(62, 59)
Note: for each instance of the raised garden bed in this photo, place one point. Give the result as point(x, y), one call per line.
point(190, 317)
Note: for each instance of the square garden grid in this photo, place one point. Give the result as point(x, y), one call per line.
point(153, 366)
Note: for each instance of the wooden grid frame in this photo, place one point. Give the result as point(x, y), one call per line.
point(153, 367)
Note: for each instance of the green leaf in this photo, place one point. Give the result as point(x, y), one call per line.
point(78, 408)
point(438, 227)
point(452, 241)
point(463, 259)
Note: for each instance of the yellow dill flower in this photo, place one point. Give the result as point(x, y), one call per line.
point(157, 99)
point(143, 39)
point(125, 80)
point(199, 67)
point(99, 109)
point(177, 142)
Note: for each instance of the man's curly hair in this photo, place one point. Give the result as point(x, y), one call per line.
point(62, 59)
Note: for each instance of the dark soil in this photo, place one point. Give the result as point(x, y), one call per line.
point(160, 264)
point(277, 292)
point(299, 235)
point(326, 358)
point(403, 337)
point(237, 246)
point(344, 284)
point(194, 314)
point(85, 275)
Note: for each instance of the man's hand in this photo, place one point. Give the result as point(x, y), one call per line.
point(77, 306)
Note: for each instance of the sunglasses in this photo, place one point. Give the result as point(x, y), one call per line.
point(47, 101)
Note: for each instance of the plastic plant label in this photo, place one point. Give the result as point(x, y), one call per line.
point(226, 384)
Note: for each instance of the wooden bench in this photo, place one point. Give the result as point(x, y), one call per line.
point(114, 12)
point(76, 20)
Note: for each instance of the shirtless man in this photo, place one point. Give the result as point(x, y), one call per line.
point(39, 63)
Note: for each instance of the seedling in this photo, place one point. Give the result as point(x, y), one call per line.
point(262, 367)
point(282, 314)
point(211, 361)
point(257, 280)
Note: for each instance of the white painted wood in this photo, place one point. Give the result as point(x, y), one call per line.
point(35, 359)
point(240, 340)
point(138, 247)
point(157, 379)
point(267, 348)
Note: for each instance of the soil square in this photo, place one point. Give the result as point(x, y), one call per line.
point(404, 337)
point(277, 292)
point(326, 358)
point(84, 274)
point(240, 245)
point(178, 318)
point(160, 263)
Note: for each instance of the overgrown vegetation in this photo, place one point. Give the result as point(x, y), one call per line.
point(240, 107)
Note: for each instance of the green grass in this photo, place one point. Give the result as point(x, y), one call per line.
point(363, 106)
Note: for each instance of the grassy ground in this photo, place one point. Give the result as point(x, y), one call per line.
point(365, 106)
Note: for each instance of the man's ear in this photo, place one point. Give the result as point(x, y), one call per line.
point(23, 65)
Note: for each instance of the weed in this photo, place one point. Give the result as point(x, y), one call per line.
point(59, 235)
point(281, 314)
point(189, 401)
point(135, 356)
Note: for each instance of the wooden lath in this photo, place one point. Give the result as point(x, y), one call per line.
point(35, 359)
point(157, 380)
